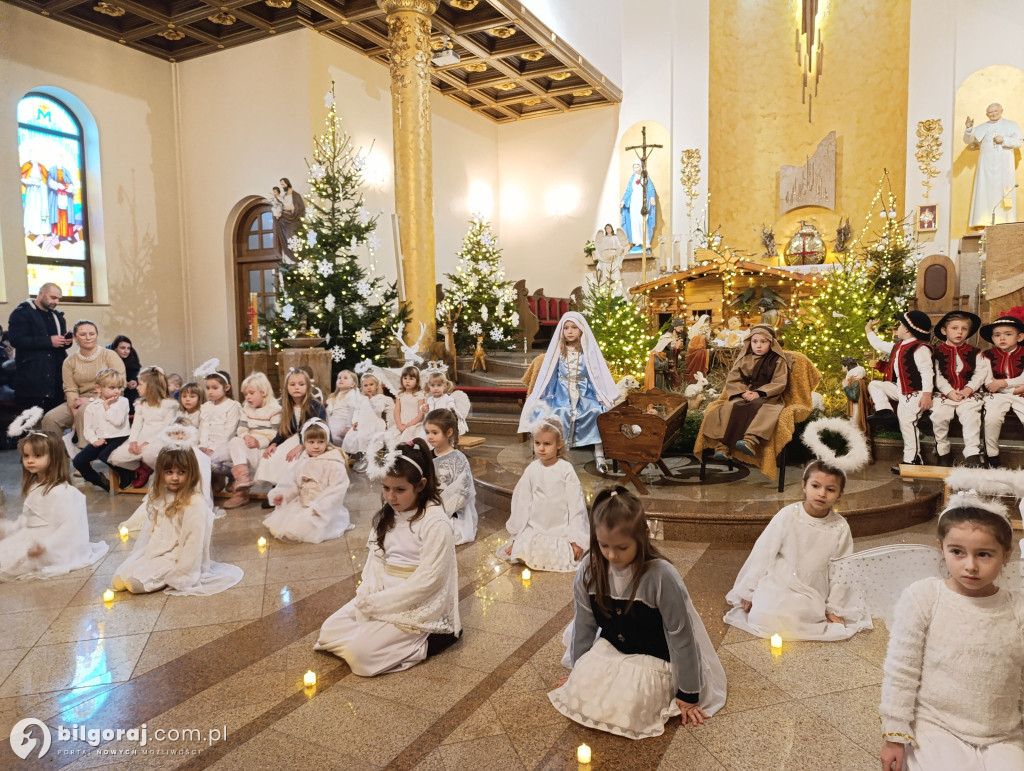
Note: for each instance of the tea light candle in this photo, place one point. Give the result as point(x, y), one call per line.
point(309, 679)
point(583, 753)
point(526, 574)
point(108, 596)
point(123, 533)
point(261, 543)
point(776, 641)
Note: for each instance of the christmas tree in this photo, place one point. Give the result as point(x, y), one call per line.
point(620, 327)
point(325, 286)
point(875, 282)
point(478, 301)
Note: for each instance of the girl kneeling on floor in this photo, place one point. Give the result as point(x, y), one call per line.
point(638, 650)
point(407, 604)
point(173, 550)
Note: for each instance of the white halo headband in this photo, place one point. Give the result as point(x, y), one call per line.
point(970, 484)
point(180, 436)
point(434, 367)
point(208, 369)
point(25, 422)
point(857, 455)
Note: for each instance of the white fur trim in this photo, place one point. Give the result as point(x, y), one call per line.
point(857, 455)
point(180, 436)
point(381, 455)
point(994, 481)
point(969, 499)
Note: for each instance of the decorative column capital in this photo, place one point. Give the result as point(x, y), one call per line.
point(426, 7)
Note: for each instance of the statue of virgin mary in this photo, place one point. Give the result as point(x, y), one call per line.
point(632, 204)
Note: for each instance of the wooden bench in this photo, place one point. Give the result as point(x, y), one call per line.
point(634, 437)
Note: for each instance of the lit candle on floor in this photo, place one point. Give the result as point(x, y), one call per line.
point(776, 641)
point(583, 753)
point(526, 574)
point(123, 532)
point(108, 596)
point(309, 679)
point(261, 543)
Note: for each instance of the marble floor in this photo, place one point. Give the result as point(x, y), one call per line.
point(233, 664)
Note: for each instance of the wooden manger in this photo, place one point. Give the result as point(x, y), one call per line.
point(634, 437)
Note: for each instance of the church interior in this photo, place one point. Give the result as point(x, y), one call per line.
point(357, 186)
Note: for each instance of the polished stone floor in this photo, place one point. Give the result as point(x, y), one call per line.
point(234, 663)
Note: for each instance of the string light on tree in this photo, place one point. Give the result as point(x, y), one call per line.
point(620, 327)
point(327, 279)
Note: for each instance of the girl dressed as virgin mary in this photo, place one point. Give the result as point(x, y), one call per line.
point(575, 384)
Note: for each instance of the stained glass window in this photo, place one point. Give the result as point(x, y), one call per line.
point(52, 158)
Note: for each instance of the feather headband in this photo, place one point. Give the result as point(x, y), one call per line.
point(434, 367)
point(382, 455)
point(970, 484)
point(180, 436)
point(25, 422)
point(857, 455)
point(209, 368)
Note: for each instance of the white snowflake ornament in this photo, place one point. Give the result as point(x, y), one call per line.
point(483, 312)
point(306, 268)
point(287, 312)
point(363, 337)
point(475, 328)
point(363, 288)
point(515, 319)
point(311, 238)
point(325, 268)
point(329, 303)
point(358, 308)
point(317, 171)
point(497, 335)
point(294, 244)
point(337, 353)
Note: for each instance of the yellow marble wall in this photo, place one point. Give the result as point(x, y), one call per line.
point(757, 121)
point(998, 83)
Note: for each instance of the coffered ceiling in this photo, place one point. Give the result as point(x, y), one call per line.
point(510, 65)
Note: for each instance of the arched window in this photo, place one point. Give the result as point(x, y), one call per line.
point(53, 196)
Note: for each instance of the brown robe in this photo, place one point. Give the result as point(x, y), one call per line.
point(696, 358)
point(737, 418)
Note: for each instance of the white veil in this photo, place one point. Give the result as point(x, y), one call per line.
point(600, 376)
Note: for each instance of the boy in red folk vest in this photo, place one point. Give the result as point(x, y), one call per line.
point(909, 379)
point(1006, 383)
point(960, 375)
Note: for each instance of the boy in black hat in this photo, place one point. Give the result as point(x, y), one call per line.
point(1006, 358)
point(960, 375)
point(909, 378)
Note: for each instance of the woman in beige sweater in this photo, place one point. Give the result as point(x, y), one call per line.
point(79, 374)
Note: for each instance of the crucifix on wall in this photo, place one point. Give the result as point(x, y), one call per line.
point(638, 202)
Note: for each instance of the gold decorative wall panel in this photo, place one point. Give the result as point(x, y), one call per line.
point(757, 121)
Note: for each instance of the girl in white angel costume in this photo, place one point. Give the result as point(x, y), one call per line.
point(953, 684)
point(783, 587)
point(407, 605)
point(455, 483)
point(575, 383)
point(373, 413)
point(173, 550)
point(310, 500)
point(548, 523)
point(638, 651)
point(51, 537)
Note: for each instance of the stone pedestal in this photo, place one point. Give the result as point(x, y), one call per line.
point(317, 359)
point(260, 361)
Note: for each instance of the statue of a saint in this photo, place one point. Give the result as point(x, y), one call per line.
point(994, 180)
point(631, 206)
point(293, 209)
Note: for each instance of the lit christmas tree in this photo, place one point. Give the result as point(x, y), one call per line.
point(478, 301)
point(620, 327)
point(354, 309)
point(876, 282)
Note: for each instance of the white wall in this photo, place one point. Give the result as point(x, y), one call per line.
point(949, 41)
point(135, 212)
point(250, 114)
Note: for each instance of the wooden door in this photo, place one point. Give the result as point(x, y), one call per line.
point(257, 259)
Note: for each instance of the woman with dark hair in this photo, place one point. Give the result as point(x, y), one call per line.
point(123, 347)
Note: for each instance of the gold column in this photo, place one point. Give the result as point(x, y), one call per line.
point(409, 34)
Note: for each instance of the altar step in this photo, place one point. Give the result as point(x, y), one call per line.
point(493, 423)
point(509, 364)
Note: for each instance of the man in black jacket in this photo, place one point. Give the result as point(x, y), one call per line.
point(38, 333)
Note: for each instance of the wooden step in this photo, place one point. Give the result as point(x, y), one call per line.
point(493, 424)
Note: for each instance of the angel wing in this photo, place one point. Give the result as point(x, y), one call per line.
point(390, 378)
point(623, 241)
point(462, 403)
